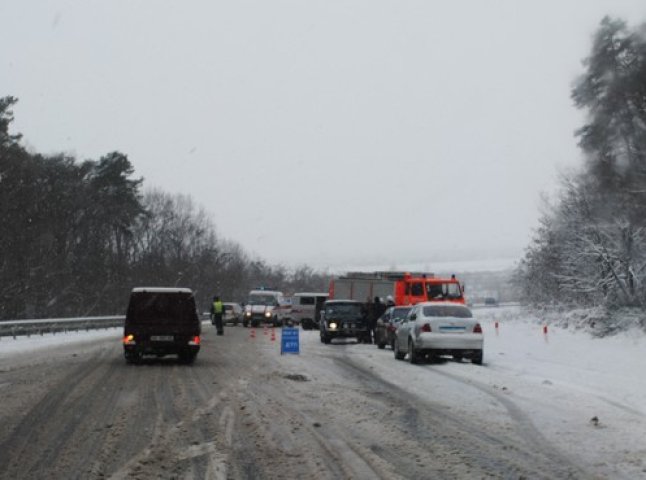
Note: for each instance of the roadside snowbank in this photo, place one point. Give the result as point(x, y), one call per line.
point(596, 321)
point(38, 349)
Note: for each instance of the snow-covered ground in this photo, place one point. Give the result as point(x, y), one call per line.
point(586, 396)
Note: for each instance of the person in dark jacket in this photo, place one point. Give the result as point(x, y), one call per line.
point(369, 314)
point(375, 310)
point(217, 311)
point(380, 308)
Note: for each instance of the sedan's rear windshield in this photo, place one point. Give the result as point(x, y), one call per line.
point(447, 311)
point(161, 308)
point(400, 313)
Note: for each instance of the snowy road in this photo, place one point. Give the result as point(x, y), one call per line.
point(335, 411)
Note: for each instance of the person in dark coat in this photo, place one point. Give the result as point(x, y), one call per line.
point(380, 308)
point(377, 311)
point(217, 311)
point(369, 313)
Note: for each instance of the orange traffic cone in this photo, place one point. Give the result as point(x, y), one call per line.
point(264, 331)
point(252, 333)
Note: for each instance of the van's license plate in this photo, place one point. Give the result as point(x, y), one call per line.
point(162, 338)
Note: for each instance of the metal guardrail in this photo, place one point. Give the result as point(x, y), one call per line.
point(15, 328)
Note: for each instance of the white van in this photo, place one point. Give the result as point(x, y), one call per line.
point(266, 306)
point(305, 308)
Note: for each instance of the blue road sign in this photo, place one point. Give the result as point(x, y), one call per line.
point(289, 342)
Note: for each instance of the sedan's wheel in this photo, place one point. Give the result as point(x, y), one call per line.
point(413, 356)
point(398, 355)
point(477, 358)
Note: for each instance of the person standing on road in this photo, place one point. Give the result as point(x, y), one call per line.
point(369, 313)
point(378, 310)
point(217, 310)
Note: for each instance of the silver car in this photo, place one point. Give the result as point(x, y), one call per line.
point(439, 328)
point(232, 313)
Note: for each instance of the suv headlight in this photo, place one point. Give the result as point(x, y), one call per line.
point(267, 314)
point(333, 325)
point(247, 313)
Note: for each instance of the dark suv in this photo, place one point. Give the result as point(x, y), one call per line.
point(344, 318)
point(161, 321)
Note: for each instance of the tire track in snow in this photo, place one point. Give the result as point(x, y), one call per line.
point(495, 452)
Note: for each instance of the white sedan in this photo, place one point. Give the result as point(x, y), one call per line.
point(439, 328)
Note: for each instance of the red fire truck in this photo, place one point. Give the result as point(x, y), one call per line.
point(406, 288)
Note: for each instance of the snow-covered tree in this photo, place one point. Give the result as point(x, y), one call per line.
point(591, 245)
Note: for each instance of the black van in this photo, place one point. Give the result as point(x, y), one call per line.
point(344, 318)
point(161, 321)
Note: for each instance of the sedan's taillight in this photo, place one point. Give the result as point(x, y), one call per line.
point(477, 328)
point(426, 327)
point(194, 341)
point(129, 340)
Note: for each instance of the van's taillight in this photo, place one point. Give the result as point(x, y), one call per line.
point(477, 328)
point(426, 327)
point(195, 340)
point(129, 340)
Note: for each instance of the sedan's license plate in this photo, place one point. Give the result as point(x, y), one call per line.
point(452, 329)
point(162, 338)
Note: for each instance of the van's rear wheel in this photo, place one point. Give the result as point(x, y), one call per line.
point(132, 357)
point(187, 357)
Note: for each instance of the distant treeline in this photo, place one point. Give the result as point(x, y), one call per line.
point(75, 237)
point(590, 249)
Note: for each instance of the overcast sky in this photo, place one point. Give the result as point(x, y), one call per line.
point(327, 132)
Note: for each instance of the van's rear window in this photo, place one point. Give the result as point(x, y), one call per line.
point(151, 307)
